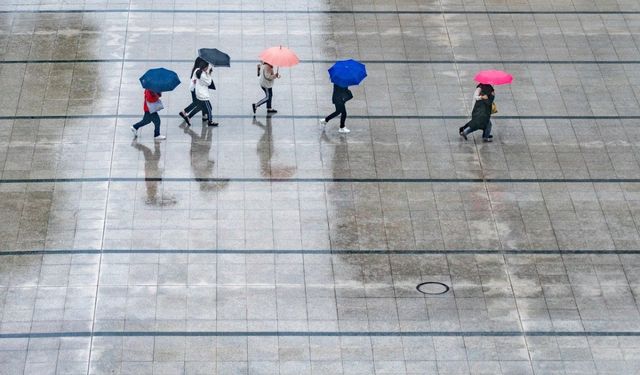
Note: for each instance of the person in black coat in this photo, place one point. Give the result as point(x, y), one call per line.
point(341, 95)
point(481, 114)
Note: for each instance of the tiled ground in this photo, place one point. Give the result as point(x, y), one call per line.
point(269, 246)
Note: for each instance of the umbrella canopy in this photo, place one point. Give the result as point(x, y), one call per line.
point(279, 56)
point(493, 77)
point(214, 56)
point(347, 73)
point(159, 80)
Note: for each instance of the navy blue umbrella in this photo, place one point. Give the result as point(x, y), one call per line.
point(160, 80)
point(347, 73)
point(214, 57)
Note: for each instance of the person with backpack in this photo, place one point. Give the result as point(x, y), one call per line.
point(266, 84)
point(340, 96)
point(152, 105)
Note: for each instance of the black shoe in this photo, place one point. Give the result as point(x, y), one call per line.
point(186, 119)
point(271, 110)
point(253, 106)
point(463, 135)
point(211, 123)
point(461, 129)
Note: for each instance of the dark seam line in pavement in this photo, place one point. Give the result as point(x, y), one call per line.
point(382, 12)
point(320, 180)
point(315, 333)
point(318, 252)
point(248, 61)
point(372, 117)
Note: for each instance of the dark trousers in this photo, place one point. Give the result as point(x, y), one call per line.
point(340, 110)
point(205, 107)
point(486, 132)
point(192, 108)
point(267, 99)
point(147, 119)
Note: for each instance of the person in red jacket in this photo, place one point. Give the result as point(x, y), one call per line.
point(152, 105)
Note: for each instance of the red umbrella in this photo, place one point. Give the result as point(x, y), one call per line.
point(279, 56)
point(493, 77)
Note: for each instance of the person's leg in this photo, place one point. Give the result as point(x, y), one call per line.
point(469, 130)
point(155, 118)
point(266, 98)
point(192, 108)
point(146, 119)
point(209, 111)
point(333, 115)
point(486, 133)
point(269, 93)
point(343, 115)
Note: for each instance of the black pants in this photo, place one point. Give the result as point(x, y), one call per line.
point(205, 107)
point(340, 110)
point(147, 119)
point(267, 99)
point(192, 108)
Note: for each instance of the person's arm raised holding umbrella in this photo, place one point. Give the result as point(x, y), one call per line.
point(204, 79)
point(270, 58)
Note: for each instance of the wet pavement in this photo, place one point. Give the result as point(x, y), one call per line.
point(269, 246)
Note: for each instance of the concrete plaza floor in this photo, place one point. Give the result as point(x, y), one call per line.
point(268, 245)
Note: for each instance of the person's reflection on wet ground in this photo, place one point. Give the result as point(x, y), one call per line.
point(266, 150)
point(153, 174)
point(201, 163)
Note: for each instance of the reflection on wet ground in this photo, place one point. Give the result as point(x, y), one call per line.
point(271, 245)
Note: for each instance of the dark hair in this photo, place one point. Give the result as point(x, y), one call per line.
point(198, 64)
point(485, 89)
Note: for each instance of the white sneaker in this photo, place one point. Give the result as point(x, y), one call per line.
point(160, 138)
point(134, 131)
point(344, 130)
point(323, 122)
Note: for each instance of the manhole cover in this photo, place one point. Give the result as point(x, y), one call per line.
point(432, 288)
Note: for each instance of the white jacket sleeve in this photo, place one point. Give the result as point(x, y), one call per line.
point(476, 97)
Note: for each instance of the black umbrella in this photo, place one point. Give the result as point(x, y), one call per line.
point(214, 56)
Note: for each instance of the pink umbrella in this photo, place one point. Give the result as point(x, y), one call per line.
point(493, 77)
point(279, 56)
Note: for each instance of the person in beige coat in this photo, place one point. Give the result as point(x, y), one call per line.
point(266, 83)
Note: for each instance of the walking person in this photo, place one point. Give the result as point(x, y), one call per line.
point(193, 108)
point(341, 95)
point(152, 105)
point(266, 83)
point(481, 113)
point(202, 85)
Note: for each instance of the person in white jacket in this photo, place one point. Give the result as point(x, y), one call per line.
point(194, 107)
point(266, 83)
point(203, 81)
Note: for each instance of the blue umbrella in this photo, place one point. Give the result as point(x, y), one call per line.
point(160, 80)
point(347, 73)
